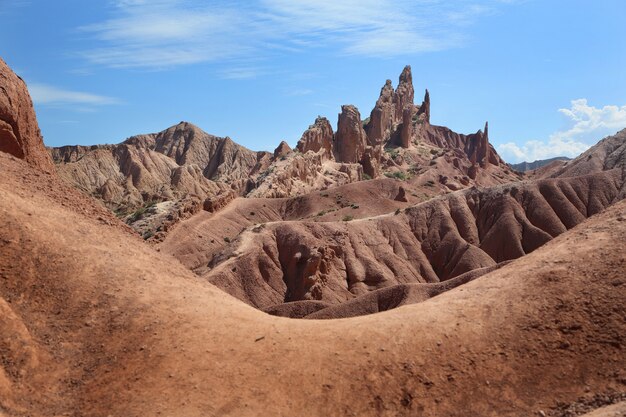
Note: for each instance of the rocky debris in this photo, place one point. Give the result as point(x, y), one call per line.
point(213, 204)
point(350, 139)
point(318, 138)
point(19, 132)
point(282, 150)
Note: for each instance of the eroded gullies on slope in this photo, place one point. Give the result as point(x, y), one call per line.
point(305, 226)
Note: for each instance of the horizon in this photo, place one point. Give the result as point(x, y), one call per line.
point(262, 72)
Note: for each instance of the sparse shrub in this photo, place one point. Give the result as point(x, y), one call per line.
point(367, 176)
point(347, 218)
point(227, 239)
point(354, 206)
point(399, 175)
point(393, 152)
point(321, 213)
point(430, 183)
point(397, 212)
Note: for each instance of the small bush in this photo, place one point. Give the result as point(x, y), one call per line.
point(347, 218)
point(367, 177)
point(227, 239)
point(321, 213)
point(399, 175)
point(397, 212)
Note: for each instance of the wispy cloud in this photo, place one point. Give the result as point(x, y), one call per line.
point(166, 33)
point(587, 125)
point(298, 92)
point(44, 94)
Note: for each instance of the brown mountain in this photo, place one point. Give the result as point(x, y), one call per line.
point(96, 322)
point(157, 179)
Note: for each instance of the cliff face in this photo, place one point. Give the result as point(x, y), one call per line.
point(19, 132)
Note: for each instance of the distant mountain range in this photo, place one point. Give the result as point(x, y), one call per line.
point(529, 166)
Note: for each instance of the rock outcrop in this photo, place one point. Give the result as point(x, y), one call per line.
point(389, 109)
point(19, 132)
point(404, 94)
point(282, 150)
point(476, 146)
point(318, 138)
point(406, 133)
point(350, 139)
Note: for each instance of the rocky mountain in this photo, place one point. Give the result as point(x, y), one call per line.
point(155, 180)
point(396, 140)
point(512, 295)
point(529, 166)
point(609, 153)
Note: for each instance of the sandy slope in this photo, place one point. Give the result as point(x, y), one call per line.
point(94, 322)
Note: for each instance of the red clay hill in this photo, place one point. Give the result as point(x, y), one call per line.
point(96, 322)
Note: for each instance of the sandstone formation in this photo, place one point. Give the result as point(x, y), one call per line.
point(19, 131)
point(398, 141)
point(282, 150)
point(318, 138)
point(511, 297)
point(609, 153)
point(350, 139)
point(133, 333)
point(431, 242)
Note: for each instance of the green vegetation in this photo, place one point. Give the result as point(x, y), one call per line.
point(367, 176)
point(347, 218)
point(393, 152)
point(140, 212)
point(399, 175)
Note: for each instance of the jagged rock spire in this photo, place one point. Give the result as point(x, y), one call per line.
point(318, 138)
point(404, 94)
point(425, 108)
point(350, 139)
point(389, 108)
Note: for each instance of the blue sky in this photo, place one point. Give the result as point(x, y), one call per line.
point(548, 75)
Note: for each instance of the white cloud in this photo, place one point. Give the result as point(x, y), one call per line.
point(45, 94)
point(165, 33)
point(587, 125)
